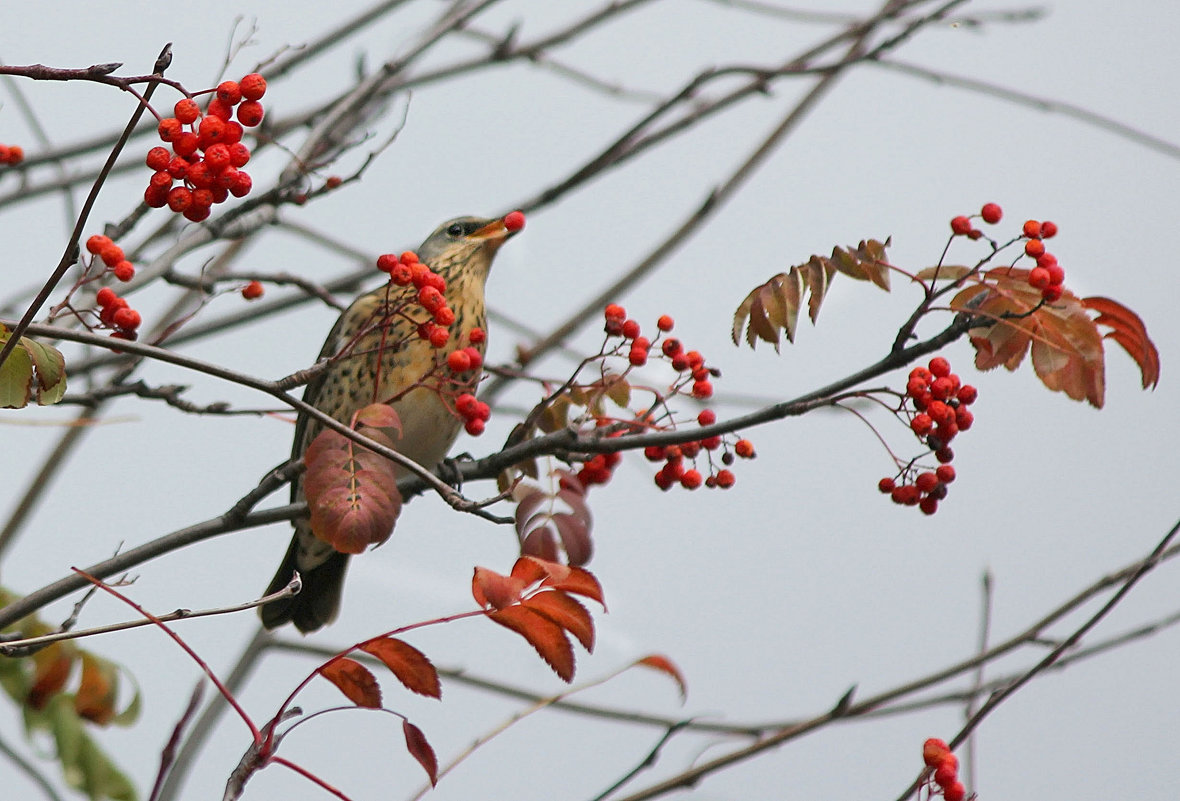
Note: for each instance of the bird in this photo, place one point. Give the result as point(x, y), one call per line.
point(461, 251)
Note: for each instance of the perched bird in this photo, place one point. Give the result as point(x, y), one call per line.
point(372, 371)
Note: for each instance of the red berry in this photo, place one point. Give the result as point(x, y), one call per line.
point(1048, 229)
point(615, 312)
point(458, 361)
point(186, 110)
point(1056, 274)
point(921, 374)
point(921, 424)
point(926, 481)
point(940, 367)
point(691, 479)
point(967, 394)
point(97, 243)
point(630, 329)
point(124, 271)
point(955, 792)
point(1052, 293)
point(680, 362)
point(229, 92)
point(933, 751)
point(474, 426)
point(886, 485)
point(695, 359)
point(211, 130)
point(253, 86)
point(1034, 247)
point(963, 419)
point(942, 388)
point(928, 505)
point(439, 336)
point(671, 347)
point(169, 128)
point(725, 478)
point(105, 296)
point(960, 225)
point(252, 290)
point(242, 184)
point(1031, 229)
point(665, 323)
point(944, 455)
point(514, 220)
point(1038, 277)
point(239, 154)
point(991, 213)
point(195, 212)
point(111, 254)
point(158, 158)
point(974, 234)
point(250, 113)
point(707, 417)
point(179, 199)
point(127, 319)
point(702, 390)
point(744, 448)
point(945, 473)
point(160, 180)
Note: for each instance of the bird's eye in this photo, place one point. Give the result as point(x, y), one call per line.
point(455, 230)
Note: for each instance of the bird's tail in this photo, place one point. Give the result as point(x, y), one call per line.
point(317, 603)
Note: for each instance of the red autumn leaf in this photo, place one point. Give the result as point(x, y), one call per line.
point(531, 570)
point(410, 665)
point(542, 518)
point(489, 588)
point(355, 680)
point(352, 496)
point(579, 581)
point(420, 750)
point(565, 612)
point(543, 634)
point(52, 666)
point(379, 415)
point(95, 699)
point(1128, 330)
point(665, 665)
point(541, 542)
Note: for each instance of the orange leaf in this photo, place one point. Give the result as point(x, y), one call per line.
point(489, 588)
point(355, 680)
point(52, 666)
point(420, 750)
point(543, 634)
point(565, 612)
point(95, 699)
point(410, 665)
point(665, 665)
point(580, 581)
point(1128, 330)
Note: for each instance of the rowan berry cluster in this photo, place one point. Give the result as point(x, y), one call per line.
point(207, 150)
point(1048, 276)
point(939, 413)
point(112, 256)
point(938, 756)
point(694, 377)
point(115, 313)
point(405, 270)
point(11, 155)
point(991, 214)
point(475, 413)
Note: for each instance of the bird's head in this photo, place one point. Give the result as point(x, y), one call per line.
point(465, 243)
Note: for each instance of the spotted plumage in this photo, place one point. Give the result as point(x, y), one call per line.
point(377, 357)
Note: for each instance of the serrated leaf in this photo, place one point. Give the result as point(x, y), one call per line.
point(419, 748)
point(668, 667)
point(1128, 330)
point(565, 612)
point(411, 667)
point(356, 681)
point(489, 588)
point(547, 638)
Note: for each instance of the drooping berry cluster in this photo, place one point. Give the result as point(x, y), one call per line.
point(694, 378)
point(938, 756)
point(207, 150)
point(939, 412)
point(475, 413)
point(112, 256)
point(115, 313)
point(1048, 276)
point(405, 270)
point(11, 155)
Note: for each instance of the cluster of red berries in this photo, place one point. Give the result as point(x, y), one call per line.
point(112, 256)
point(940, 404)
point(690, 363)
point(599, 469)
point(405, 270)
point(991, 214)
point(475, 413)
point(1048, 276)
point(673, 457)
point(207, 150)
point(115, 313)
point(11, 155)
point(938, 756)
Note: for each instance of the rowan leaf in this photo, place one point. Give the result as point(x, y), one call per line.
point(31, 371)
point(489, 588)
point(419, 748)
point(771, 310)
point(411, 667)
point(543, 517)
point(97, 691)
point(565, 612)
point(668, 667)
point(356, 681)
point(547, 638)
point(1128, 330)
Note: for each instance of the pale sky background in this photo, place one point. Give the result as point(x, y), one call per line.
point(775, 597)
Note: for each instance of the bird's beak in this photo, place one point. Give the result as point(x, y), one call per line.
point(493, 231)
